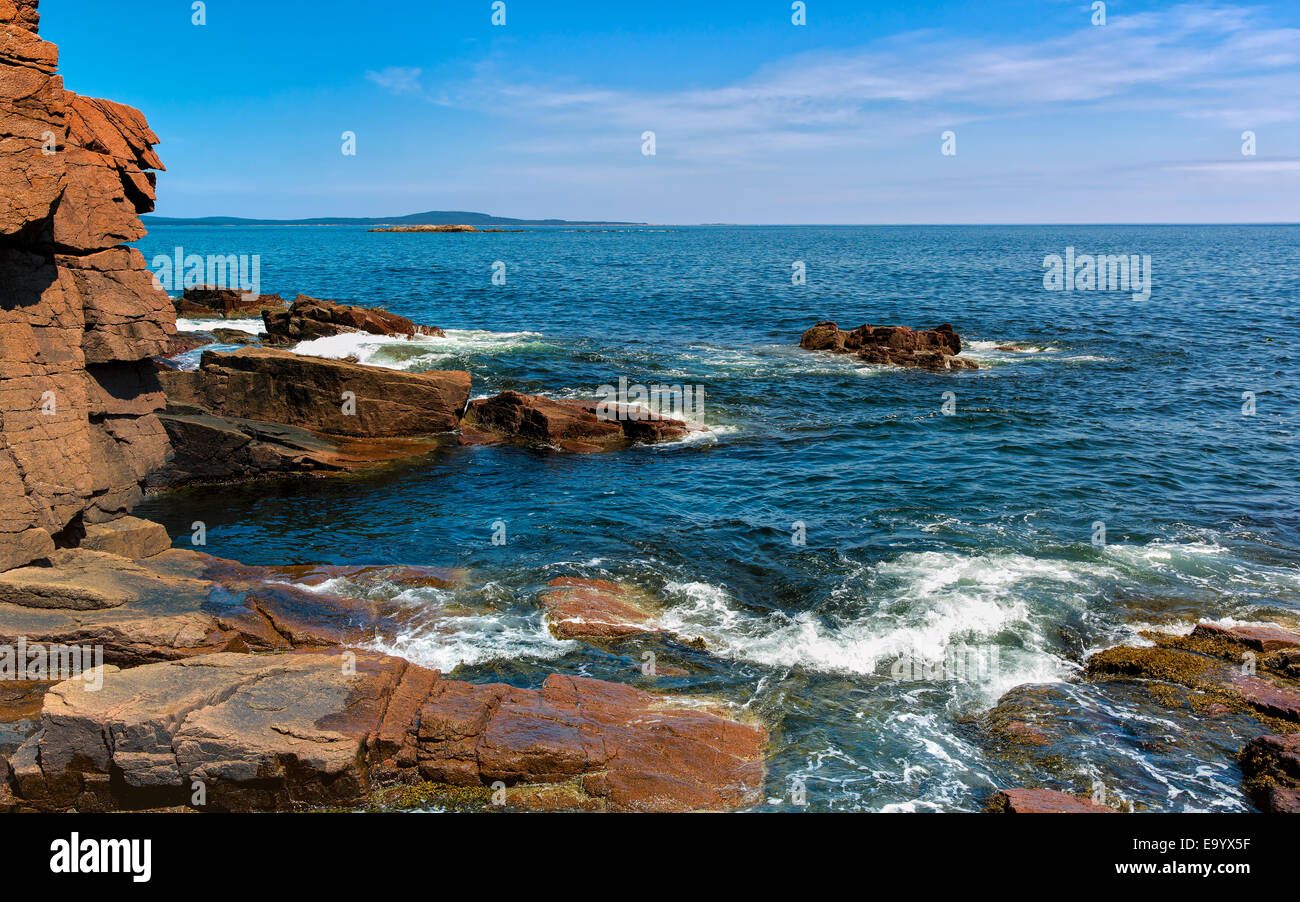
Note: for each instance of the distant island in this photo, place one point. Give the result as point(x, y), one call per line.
point(431, 218)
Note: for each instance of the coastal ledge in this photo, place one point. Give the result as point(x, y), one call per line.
point(329, 729)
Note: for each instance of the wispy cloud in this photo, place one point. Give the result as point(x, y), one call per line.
point(1222, 63)
point(398, 80)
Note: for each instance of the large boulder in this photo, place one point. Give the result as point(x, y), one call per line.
point(278, 732)
point(566, 425)
point(311, 318)
point(335, 397)
point(935, 348)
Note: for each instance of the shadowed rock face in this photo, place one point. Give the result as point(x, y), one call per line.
point(935, 349)
point(310, 318)
point(79, 314)
point(276, 732)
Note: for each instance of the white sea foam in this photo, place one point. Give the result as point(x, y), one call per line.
point(418, 352)
point(255, 326)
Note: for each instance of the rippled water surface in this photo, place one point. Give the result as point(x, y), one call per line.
point(930, 538)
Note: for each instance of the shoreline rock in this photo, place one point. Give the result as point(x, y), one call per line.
point(935, 349)
point(1041, 801)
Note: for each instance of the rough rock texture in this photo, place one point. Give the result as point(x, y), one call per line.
point(567, 425)
point(79, 314)
point(206, 302)
point(276, 386)
point(935, 349)
point(578, 608)
point(1270, 766)
point(276, 732)
point(1041, 801)
point(173, 604)
point(310, 318)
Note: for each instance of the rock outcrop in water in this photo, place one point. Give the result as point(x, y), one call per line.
point(79, 316)
point(205, 302)
point(935, 349)
point(311, 318)
point(567, 425)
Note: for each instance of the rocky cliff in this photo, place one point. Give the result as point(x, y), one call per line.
point(79, 314)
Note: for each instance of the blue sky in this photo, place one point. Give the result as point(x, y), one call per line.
point(756, 120)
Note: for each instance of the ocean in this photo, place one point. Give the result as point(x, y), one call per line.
point(870, 570)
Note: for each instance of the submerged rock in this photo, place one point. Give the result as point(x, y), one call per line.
point(311, 318)
point(595, 609)
point(897, 345)
point(279, 732)
point(567, 425)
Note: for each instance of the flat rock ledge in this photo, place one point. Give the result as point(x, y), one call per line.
point(934, 349)
point(293, 731)
point(1041, 801)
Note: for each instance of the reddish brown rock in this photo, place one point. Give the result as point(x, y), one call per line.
point(1270, 767)
point(80, 315)
point(1256, 638)
point(596, 609)
point(277, 732)
point(566, 425)
point(310, 318)
point(1041, 801)
point(207, 302)
point(897, 345)
point(279, 387)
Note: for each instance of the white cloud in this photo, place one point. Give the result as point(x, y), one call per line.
point(398, 80)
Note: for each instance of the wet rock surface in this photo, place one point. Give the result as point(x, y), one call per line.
point(935, 349)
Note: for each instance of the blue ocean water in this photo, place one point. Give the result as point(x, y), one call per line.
point(929, 537)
